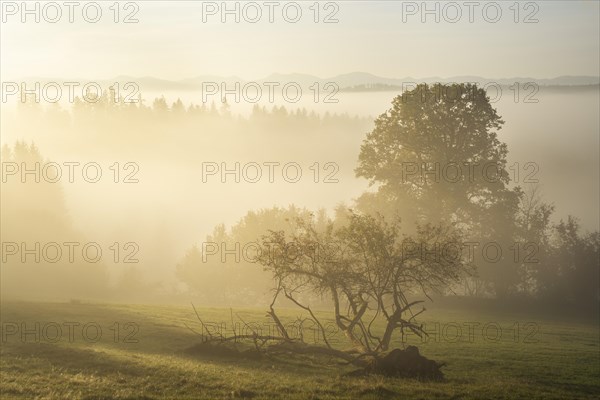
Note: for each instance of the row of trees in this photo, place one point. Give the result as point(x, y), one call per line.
point(560, 267)
point(159, 109)
point(193, 132)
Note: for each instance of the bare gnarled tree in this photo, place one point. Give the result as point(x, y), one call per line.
point(368, 272)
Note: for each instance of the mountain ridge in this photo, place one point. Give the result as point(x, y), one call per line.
point(353, 80)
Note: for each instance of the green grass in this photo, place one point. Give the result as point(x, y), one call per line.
point(552, 359)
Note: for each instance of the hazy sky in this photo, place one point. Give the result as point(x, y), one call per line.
point(171, 41)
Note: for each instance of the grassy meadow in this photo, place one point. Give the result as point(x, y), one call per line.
point(108, 351)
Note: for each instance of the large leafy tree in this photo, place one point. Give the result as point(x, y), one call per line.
point(435, 157)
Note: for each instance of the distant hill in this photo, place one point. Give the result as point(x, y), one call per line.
point(354, 81)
